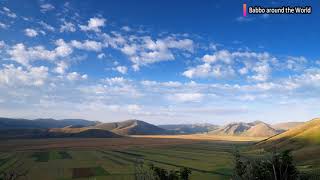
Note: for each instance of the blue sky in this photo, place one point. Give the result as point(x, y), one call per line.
point(159, 61)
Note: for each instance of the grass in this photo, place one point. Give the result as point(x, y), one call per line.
point(41, 156)
point(108, 159)
point(45, 156)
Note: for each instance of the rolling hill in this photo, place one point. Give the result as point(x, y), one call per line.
point(132, 127)
point(55, 133)
point(11, 123)
point(301, 136)
point(253, 129)
point(286, 125)
point(189, 128)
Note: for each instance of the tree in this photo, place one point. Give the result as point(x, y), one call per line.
point(14, 173)
point(185, 173)
point(158, 173)
point(277, 167)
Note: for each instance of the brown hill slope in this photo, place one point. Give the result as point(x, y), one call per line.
point(189, 128)
point(56, 133)
point(254, 129)
point(132, 127)
point(286, 125)
point(299, 137)
point(11, 123)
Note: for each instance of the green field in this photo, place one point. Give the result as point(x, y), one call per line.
point(208, 160)
point(63, 159)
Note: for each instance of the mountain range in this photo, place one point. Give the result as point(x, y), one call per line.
point(254, 129)
point(132, 127)
point(51, 128)
point(190, 128)
point(11, 123)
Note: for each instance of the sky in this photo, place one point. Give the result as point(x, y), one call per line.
point(164, 62)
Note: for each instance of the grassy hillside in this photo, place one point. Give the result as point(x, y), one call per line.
point(298, 137)
point(254, 129)
point(286, 125)
point(56, 133)
point(10, 123)
point(132, 127)
point(303, 141)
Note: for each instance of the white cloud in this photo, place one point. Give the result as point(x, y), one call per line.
point(74, 76)
point(262, 72)
point(126, 28)
point(67, 27)
point(23, 55)
point(46, 7)
point(46, 26)
point(61, 67)
point(223, 55)
point(11, 75)
point(208, 70)
point(6, 11)
point(134, 108)
point(3, 26)
point(87, 45)
point(186, 97)
point(224, 63)
point(116, 81)
point(2, 45)
point(30, 32)
point(296, 63)
point(144, 50)
point(121, 69)
point(101, 56)
point(94, 24)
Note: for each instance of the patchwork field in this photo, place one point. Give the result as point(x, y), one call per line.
point(62, 159)
point(208, 156)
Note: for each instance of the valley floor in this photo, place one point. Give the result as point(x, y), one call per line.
point(209, 156)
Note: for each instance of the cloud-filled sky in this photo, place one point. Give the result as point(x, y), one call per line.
point(158, 61)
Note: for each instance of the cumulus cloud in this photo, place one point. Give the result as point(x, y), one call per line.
point(147, 50)
point(186, 97)
point(61, 67)
point(2, 44)
point(224, 63)
point(74, 76)
point(46, 7)
point(3, 26)
point(122, 69)
point(30, 32)
point(87, 45)
point(46, 26)
point(94, 24)
point(101, 56)
point(208, 70)
point(67, 27)
point(6, 11)
point(24, 55)
point(126, 28)
point(11, 75)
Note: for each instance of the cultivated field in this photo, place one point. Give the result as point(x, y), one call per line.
point(209, 157)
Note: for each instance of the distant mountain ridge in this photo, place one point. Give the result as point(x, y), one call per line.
point(11, 123)
point(132, 127)
point(78, 127)
point(190, 128)
point(254, 129)
point(55, 133)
